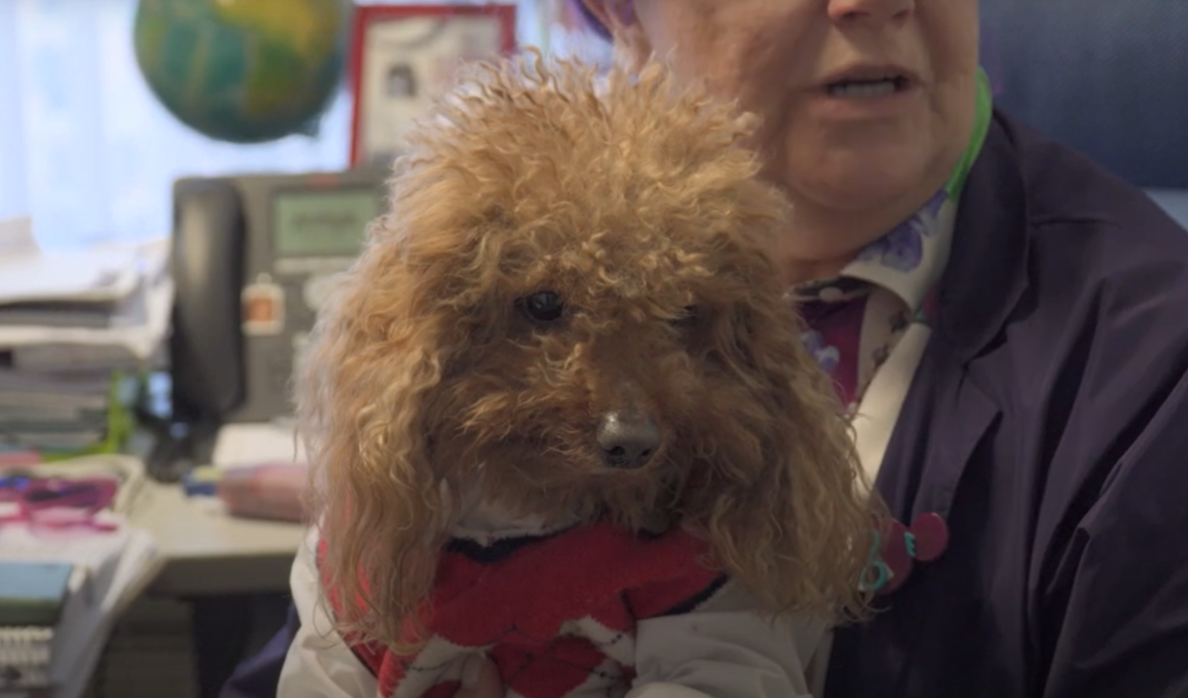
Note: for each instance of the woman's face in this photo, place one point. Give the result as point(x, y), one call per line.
point(866, 104)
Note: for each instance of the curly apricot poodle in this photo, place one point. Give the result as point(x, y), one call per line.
point(568, 317)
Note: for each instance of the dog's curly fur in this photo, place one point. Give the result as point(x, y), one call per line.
point(634, 201)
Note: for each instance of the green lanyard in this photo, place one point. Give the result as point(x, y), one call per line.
point(983, 114)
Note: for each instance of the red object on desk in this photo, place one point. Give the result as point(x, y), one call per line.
point(265, 491)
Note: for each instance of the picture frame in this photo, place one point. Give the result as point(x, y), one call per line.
point(401, 55)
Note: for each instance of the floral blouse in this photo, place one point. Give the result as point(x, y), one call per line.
point(855, 319)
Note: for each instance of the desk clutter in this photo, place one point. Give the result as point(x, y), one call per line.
point(260, 491)
point(76, 328)
point(108, 530)
point(260, 472)
point(69, 562)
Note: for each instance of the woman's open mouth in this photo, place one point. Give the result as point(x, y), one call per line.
point(859, 93)
point(868, 88)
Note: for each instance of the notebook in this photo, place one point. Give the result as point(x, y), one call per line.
point(32, 592)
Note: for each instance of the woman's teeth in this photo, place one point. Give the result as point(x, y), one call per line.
point(865, 88)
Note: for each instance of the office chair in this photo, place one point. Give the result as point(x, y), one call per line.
point(1106, 77)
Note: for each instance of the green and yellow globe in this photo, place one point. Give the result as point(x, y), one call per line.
point(245, 71)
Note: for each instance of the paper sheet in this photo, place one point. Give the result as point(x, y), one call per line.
point(142, 341)
point(82, 275)
point(16, 237)
point(242, 444)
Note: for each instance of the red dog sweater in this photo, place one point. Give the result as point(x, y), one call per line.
point(556, 612)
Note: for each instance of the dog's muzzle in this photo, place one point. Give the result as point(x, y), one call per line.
point(628, 439)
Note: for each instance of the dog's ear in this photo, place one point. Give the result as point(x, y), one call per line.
point(784, 503)
point(365, 396)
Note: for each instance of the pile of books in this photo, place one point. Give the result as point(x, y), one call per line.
point(76, 329)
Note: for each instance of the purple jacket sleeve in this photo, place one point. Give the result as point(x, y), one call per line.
point(258, 675)
point(1117, 605)
point(1112, 591)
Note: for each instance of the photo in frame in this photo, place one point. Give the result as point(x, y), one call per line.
point(402, 55)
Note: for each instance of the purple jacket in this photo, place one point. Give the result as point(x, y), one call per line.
point(1048, 424)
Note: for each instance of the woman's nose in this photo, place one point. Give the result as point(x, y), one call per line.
point(870, 11)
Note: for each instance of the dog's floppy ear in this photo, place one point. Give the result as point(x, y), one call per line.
point(364, 401)
point(787, 510)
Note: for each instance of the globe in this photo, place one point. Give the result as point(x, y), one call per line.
point(245, 71)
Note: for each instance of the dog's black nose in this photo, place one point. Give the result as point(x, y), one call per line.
point(628, 439)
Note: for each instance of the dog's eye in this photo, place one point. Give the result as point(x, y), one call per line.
point(542, 307)
point(687, 318)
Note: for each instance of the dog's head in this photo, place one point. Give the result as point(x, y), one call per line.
point(570, 310)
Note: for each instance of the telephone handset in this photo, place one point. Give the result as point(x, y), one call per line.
point(206, 347)
point(252, 259)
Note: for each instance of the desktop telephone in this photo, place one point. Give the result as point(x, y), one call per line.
point(251, 259)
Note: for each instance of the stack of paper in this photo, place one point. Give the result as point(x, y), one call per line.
point(110, 569)
point(71, 323)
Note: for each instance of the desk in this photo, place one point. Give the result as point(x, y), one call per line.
point(216, 563)
point(94, 641)
point(208, 553)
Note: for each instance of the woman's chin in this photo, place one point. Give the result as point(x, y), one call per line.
point(869, 197)
point(892, 181)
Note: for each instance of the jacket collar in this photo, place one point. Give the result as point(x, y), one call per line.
point(987, 271)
